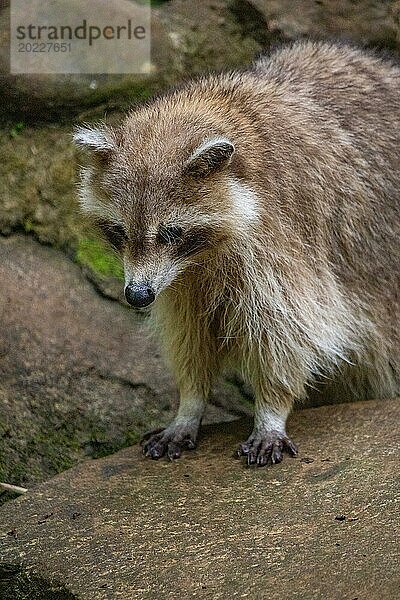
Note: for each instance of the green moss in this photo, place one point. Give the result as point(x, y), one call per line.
point(131, 437)
point(100, 444)
point(54, 450)
point(16, 129)
point(58, 449)
point(95, 255)
point(28, 225)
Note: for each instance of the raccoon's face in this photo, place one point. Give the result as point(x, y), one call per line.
point(161, 212)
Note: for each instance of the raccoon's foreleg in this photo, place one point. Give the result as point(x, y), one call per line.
point(268, 439)
point(181, 433)
point(193, 360)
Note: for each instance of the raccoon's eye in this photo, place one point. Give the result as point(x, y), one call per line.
point(115, 234)
point(169, 234)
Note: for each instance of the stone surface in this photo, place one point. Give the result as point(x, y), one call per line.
point(370, 22)
point(43, 97)
point(209, 35)
point(80, 375)
point(324, 525)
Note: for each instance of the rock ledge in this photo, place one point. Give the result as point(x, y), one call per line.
point(319, 526)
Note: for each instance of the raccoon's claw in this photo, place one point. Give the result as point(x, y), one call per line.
point(266, 449)
point(159, 443)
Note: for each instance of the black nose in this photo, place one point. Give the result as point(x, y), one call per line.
point(139, 296)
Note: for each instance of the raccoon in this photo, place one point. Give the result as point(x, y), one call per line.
point(257, 214)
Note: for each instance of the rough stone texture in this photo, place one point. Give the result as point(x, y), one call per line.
point(370, 22)
point(323, 525)
point(37, 184)
point(42, 97)
point(209, 35)
point(79, 374)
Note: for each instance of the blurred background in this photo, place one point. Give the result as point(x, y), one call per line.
point(79, 377)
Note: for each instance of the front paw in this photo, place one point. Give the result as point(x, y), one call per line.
point(266, 448)
point(170, 441)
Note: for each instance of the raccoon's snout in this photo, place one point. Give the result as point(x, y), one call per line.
point(139, 296)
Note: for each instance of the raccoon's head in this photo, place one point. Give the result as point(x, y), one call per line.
point(163, 204)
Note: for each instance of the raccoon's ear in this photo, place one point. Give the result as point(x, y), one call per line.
point(211, 156)
point(97, 140)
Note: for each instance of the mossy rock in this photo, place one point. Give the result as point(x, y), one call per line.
point(38, 174)
point(39, 98)
point(93, 253)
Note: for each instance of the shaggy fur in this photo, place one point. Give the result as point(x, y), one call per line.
point(284, 180)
